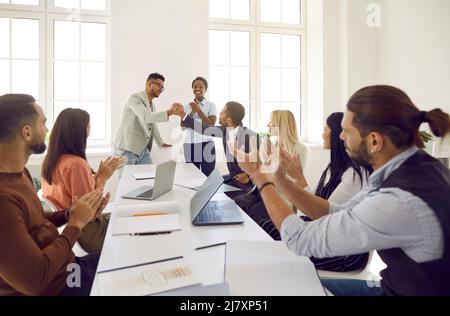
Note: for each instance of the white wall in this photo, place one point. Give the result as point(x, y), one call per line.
point(169, 37)
point(414, 50)
point(350, 51)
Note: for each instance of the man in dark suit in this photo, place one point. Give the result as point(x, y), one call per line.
point(230, 129)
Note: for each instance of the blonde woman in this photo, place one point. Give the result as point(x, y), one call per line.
point(283, 131)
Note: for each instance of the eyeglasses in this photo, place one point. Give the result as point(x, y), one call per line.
point(161, 85)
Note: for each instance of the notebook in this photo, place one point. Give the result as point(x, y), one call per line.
point(145, 224)
point(147, 279)
point(144, 176)
point(268, 268)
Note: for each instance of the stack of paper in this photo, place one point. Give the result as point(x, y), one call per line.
point(147, 279)
point(146, 224)
point(146, 208)
point(144, 176)
point(268, 268)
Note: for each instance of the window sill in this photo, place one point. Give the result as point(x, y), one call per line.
point(94, 152)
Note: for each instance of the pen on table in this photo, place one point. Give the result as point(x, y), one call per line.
point(211, 246)
point(149, 214)
point(151, 234)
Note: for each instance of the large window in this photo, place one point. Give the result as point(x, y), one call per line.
point(257, 56)
point(58, 51)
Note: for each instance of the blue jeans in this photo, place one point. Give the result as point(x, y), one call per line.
point(352, 287)
point(132, 159)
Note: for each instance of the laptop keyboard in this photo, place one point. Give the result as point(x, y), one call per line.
point(211, 213)
point(146, 194)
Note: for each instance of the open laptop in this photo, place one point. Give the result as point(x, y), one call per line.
point(164, 178)
point(205, 212)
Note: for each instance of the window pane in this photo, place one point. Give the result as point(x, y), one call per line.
point(93, 5)
point(291, 11)
point(240, 48)
point(270, 50)
point(69, 4)
point(219, 47)
point(67, 40)
point(67, 81)
point(240, 83)
point(266, 109)
point(5, 86)
point(291, 85)
point(59, 106)
point(220, 83)
point(219, 9)
point(240, 10)
point(25, 77)
point(96, 112)
point(4, 38)
point(92, 81)
point(4, 1)
point(93, 37)
point(24, 2)
point(25, 38)
point(270, 85)
point(291, 55)
point(271, 11)
point(246, 120)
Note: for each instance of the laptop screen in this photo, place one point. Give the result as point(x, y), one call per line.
point(205, 193)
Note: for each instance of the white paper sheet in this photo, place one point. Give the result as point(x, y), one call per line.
point(144, 176)
point(146, 224)
point(146, 208)
point(268, 268)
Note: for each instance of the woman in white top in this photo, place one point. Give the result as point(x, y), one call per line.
point(340, 181)
point(198, 149)
point(283, 132)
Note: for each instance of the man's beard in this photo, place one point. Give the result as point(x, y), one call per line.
point(361, 155)
point(37, 148)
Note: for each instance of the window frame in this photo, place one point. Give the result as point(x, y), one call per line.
point(256, 27)
point(68, 11)
point(46, 13)
point(51, 18)
point(33, 15)
point(23, 7)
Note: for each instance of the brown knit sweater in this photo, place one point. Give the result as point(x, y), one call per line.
point(33, 255)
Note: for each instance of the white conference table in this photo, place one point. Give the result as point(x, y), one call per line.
point(207, 264)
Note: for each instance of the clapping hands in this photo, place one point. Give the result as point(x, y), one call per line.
point(194, 107)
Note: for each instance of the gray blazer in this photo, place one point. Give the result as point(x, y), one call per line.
point(138, 127)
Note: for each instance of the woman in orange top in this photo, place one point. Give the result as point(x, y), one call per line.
point(67, 176)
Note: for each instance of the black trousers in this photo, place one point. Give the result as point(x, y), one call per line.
point(87, 267)
point(202, 155)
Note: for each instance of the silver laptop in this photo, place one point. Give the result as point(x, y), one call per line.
point(205, 212)
point(164, 178)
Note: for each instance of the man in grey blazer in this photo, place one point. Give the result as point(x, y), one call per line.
point(138, 128)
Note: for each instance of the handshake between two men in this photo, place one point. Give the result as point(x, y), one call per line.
point(178, 110)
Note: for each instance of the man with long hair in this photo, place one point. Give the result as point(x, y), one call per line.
point(403, 213)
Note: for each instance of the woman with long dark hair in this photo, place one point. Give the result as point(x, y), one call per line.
point(340, 181)
point(67, 176)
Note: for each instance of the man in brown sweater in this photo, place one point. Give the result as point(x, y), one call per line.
point(34, 258)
